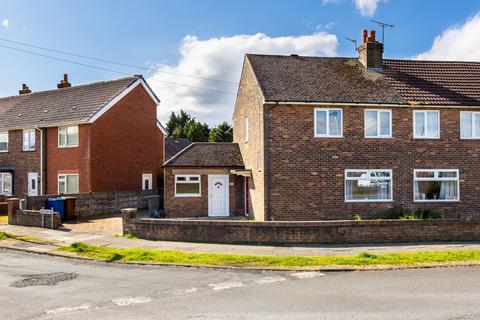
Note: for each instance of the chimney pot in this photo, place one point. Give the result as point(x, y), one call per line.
point(364, 35)
point(24, 89)
point(372, 35)
point(64, 83)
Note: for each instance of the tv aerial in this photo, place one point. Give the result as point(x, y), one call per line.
point(383, 25)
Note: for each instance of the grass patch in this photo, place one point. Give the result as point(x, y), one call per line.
point(6, 235)
point(360, 260)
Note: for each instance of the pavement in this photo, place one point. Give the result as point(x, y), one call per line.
point(39, 287)
point(98, 233)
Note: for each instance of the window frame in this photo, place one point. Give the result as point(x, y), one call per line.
point(188, 176)
point(149, 177)
point(28, 131)
point(66, 136)
point(2, 183)
point(474, 128)
point(368, 171)
point(327, 135)
point(436, 178)
point(8, 141)
point(415, 136)
point(378, 136)
point(66, 182)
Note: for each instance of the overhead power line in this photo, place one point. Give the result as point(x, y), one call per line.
point(115, 62)
point(111, 70)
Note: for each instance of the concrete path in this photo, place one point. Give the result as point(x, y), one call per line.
point(68, 236)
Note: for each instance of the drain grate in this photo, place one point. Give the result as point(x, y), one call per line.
point(46, 279)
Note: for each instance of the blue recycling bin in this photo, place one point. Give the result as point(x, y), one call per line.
point(57, 205)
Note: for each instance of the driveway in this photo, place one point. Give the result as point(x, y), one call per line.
point(105, 224)
point(40, 287)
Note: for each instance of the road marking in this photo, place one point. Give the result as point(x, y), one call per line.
point(307, 274)
point(67, 309)
point(270, 280)
point(225, 285)
point(121, 302)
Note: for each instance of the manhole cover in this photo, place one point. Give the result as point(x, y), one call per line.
point(46, 279)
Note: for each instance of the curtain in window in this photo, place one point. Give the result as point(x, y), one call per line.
point(335, 122)
point(448, 190)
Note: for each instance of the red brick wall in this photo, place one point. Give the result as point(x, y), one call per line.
point(74, 160)
point(23, 162)
point(126, 142)
point(180, 207)
point(307, 173)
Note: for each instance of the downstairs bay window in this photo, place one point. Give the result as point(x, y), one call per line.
point(187, 185)
point(436, 185)
point(5, 183)
point(368, 185)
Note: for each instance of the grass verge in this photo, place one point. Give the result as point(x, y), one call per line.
point(6, 235)
point(360, 260)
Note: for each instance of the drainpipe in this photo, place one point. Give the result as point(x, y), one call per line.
point(245, 196)
point(266, 141)
point(41, 160)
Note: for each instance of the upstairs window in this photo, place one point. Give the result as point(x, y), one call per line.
point(436, 185)
point(187, 186)
point(426, 124)
point(328, 123)
point(469, 125)
point(29, 140)
point(3, 141)
point(246, 129)
point(378, 123)
point(5, 184)
point(368, 185)
point(68, 137)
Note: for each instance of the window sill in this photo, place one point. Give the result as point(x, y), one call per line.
point(436, 201)
point(426, 138)
point(67, 147)
point(32, 150)
point(366, 201)
point(380, 137)
point(329, 137)
point(188, 196)
point(4, 151)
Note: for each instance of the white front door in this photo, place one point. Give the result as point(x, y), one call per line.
point(218, 204)
point(33, 184)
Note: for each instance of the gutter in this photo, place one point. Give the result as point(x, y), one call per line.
point(348, 104)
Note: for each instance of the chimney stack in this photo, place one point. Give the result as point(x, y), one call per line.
point(24, 89)
point(371, 51)
point(64, 83)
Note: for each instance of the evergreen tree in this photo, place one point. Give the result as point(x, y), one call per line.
point(221, 133)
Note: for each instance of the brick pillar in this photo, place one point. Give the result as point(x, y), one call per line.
point(128, 214)
point(13, 206)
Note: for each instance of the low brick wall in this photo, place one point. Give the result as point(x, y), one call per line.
point(367, 231)
point(96, 203)
point(31, 218)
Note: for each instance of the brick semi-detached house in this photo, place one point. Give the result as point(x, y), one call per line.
point(96, 137)
point(326, 138)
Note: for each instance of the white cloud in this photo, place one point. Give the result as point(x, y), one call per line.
point(222, 58)
point(457, 43)
point(367, 8)
point(5, 23)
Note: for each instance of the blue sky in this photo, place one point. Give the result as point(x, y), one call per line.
point(207, 39)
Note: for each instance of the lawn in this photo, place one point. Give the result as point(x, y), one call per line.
point(361, 260)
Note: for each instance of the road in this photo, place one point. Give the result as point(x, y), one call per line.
point(100, 291)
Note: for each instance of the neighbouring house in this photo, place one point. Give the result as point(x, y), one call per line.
point(97, 137)
point(325, 138)
point(174, 145)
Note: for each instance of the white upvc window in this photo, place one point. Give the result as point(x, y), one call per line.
point(68, 137)
point(68, 184)
point(29, 140)
point(3, 141)
point(378, 123)
point(368, 185)
point(5, 183)
point(187, 185)
point(436, 185)
point(469, 125)
point(147, 181)
point(328, 123)
point(426, 124)
point(246, 130)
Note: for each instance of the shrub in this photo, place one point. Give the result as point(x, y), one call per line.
point(358, 217)
point(420, 214)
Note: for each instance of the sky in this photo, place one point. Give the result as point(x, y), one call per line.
point(191, 51)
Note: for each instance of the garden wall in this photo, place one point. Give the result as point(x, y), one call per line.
point(366, 231)
point(90, 204)
point(31, 218)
